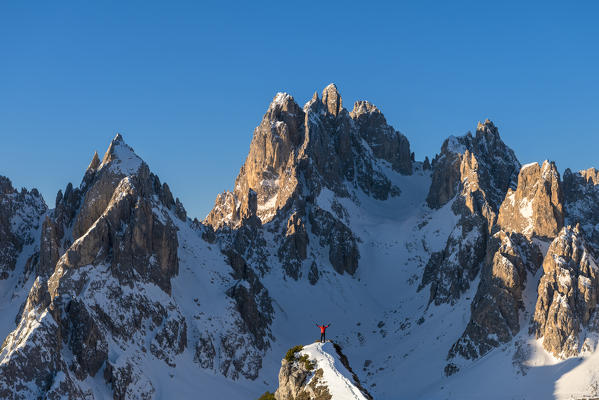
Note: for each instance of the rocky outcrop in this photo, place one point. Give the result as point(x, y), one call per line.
point(292, 380)
point(495, 309)
point(474, 172)
point(296, 154)
point(450, 272)
point(567, 295)
point(320, 372)
point(294, 249)
point(581, 197)
point(343, 249)
point(295, 151)
point(386, 143)
point(468, 164)
point(535, 208)
point(98, 290)
point(20, 218)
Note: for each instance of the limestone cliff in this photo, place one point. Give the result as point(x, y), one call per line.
point(567, 295)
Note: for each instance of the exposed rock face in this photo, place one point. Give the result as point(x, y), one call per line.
point(241, 349)
point(475, 172)
point(20, 218)
point(307, 374)
point(469, 164)
point(296, 154)
point(535, 208)
point(495, 309)
point(292, 382)
point(385, 142)
point(343, 249)
point(567, 295)
point(132, 243)
point(581, 196)
point(100, 182)
point(297, 151)
point(111, 293)
point(450, 271)
point(294, 249)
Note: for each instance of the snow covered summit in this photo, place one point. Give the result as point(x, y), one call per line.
point(318, 371)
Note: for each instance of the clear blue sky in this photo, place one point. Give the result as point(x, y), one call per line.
point(187, 82)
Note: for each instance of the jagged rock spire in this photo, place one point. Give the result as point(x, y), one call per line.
point(496, 167)
point(567, 294)
point(91, 170)
point(332, 99)
point(93, 165)
point(536, 206)
point(324, 134)
point(487, 126)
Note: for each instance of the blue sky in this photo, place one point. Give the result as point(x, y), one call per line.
point(187, 82)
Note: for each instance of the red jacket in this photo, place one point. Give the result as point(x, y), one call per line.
point(323, 328)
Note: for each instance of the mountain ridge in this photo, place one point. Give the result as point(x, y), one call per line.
point(429, 267)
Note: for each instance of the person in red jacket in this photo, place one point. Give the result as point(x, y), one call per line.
point(323, 330)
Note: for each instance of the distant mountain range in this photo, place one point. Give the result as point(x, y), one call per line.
point(464, 276)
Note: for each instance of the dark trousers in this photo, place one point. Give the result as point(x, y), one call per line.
point(322, 337)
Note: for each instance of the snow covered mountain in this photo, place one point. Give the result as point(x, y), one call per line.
point(463, 277)
point(318, 371)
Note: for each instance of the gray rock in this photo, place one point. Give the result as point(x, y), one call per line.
point(474, 163)
point(494, 317)
point(20, 217)
point(567, 296)
point(475, 172)
point(297, 150)
point(535, 208)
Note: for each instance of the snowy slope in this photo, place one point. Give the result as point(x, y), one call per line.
point(336, 377)
point(376, 316)
point(167, 306)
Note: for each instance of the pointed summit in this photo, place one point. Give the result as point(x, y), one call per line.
point(535, 208)
point(280, 99)
point(363, 107)
point(488, 129)
point(93, 165)
point(332, 99)
point(91, 170)
point(120, 157)
point(315, 100)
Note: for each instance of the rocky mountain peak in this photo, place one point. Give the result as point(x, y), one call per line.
point(581, 196)
point(386, 142)
point(281, 103)
point(91, 170)
point(496, 167)
point(5, 185)
point(591, 175)
point(476, 172)
point(120, 158)
point(95, 162)
point(536, 206)
point(332, 99)
point(297, 150)
point(487, 128)
point(363, 107)
point(20, 217)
